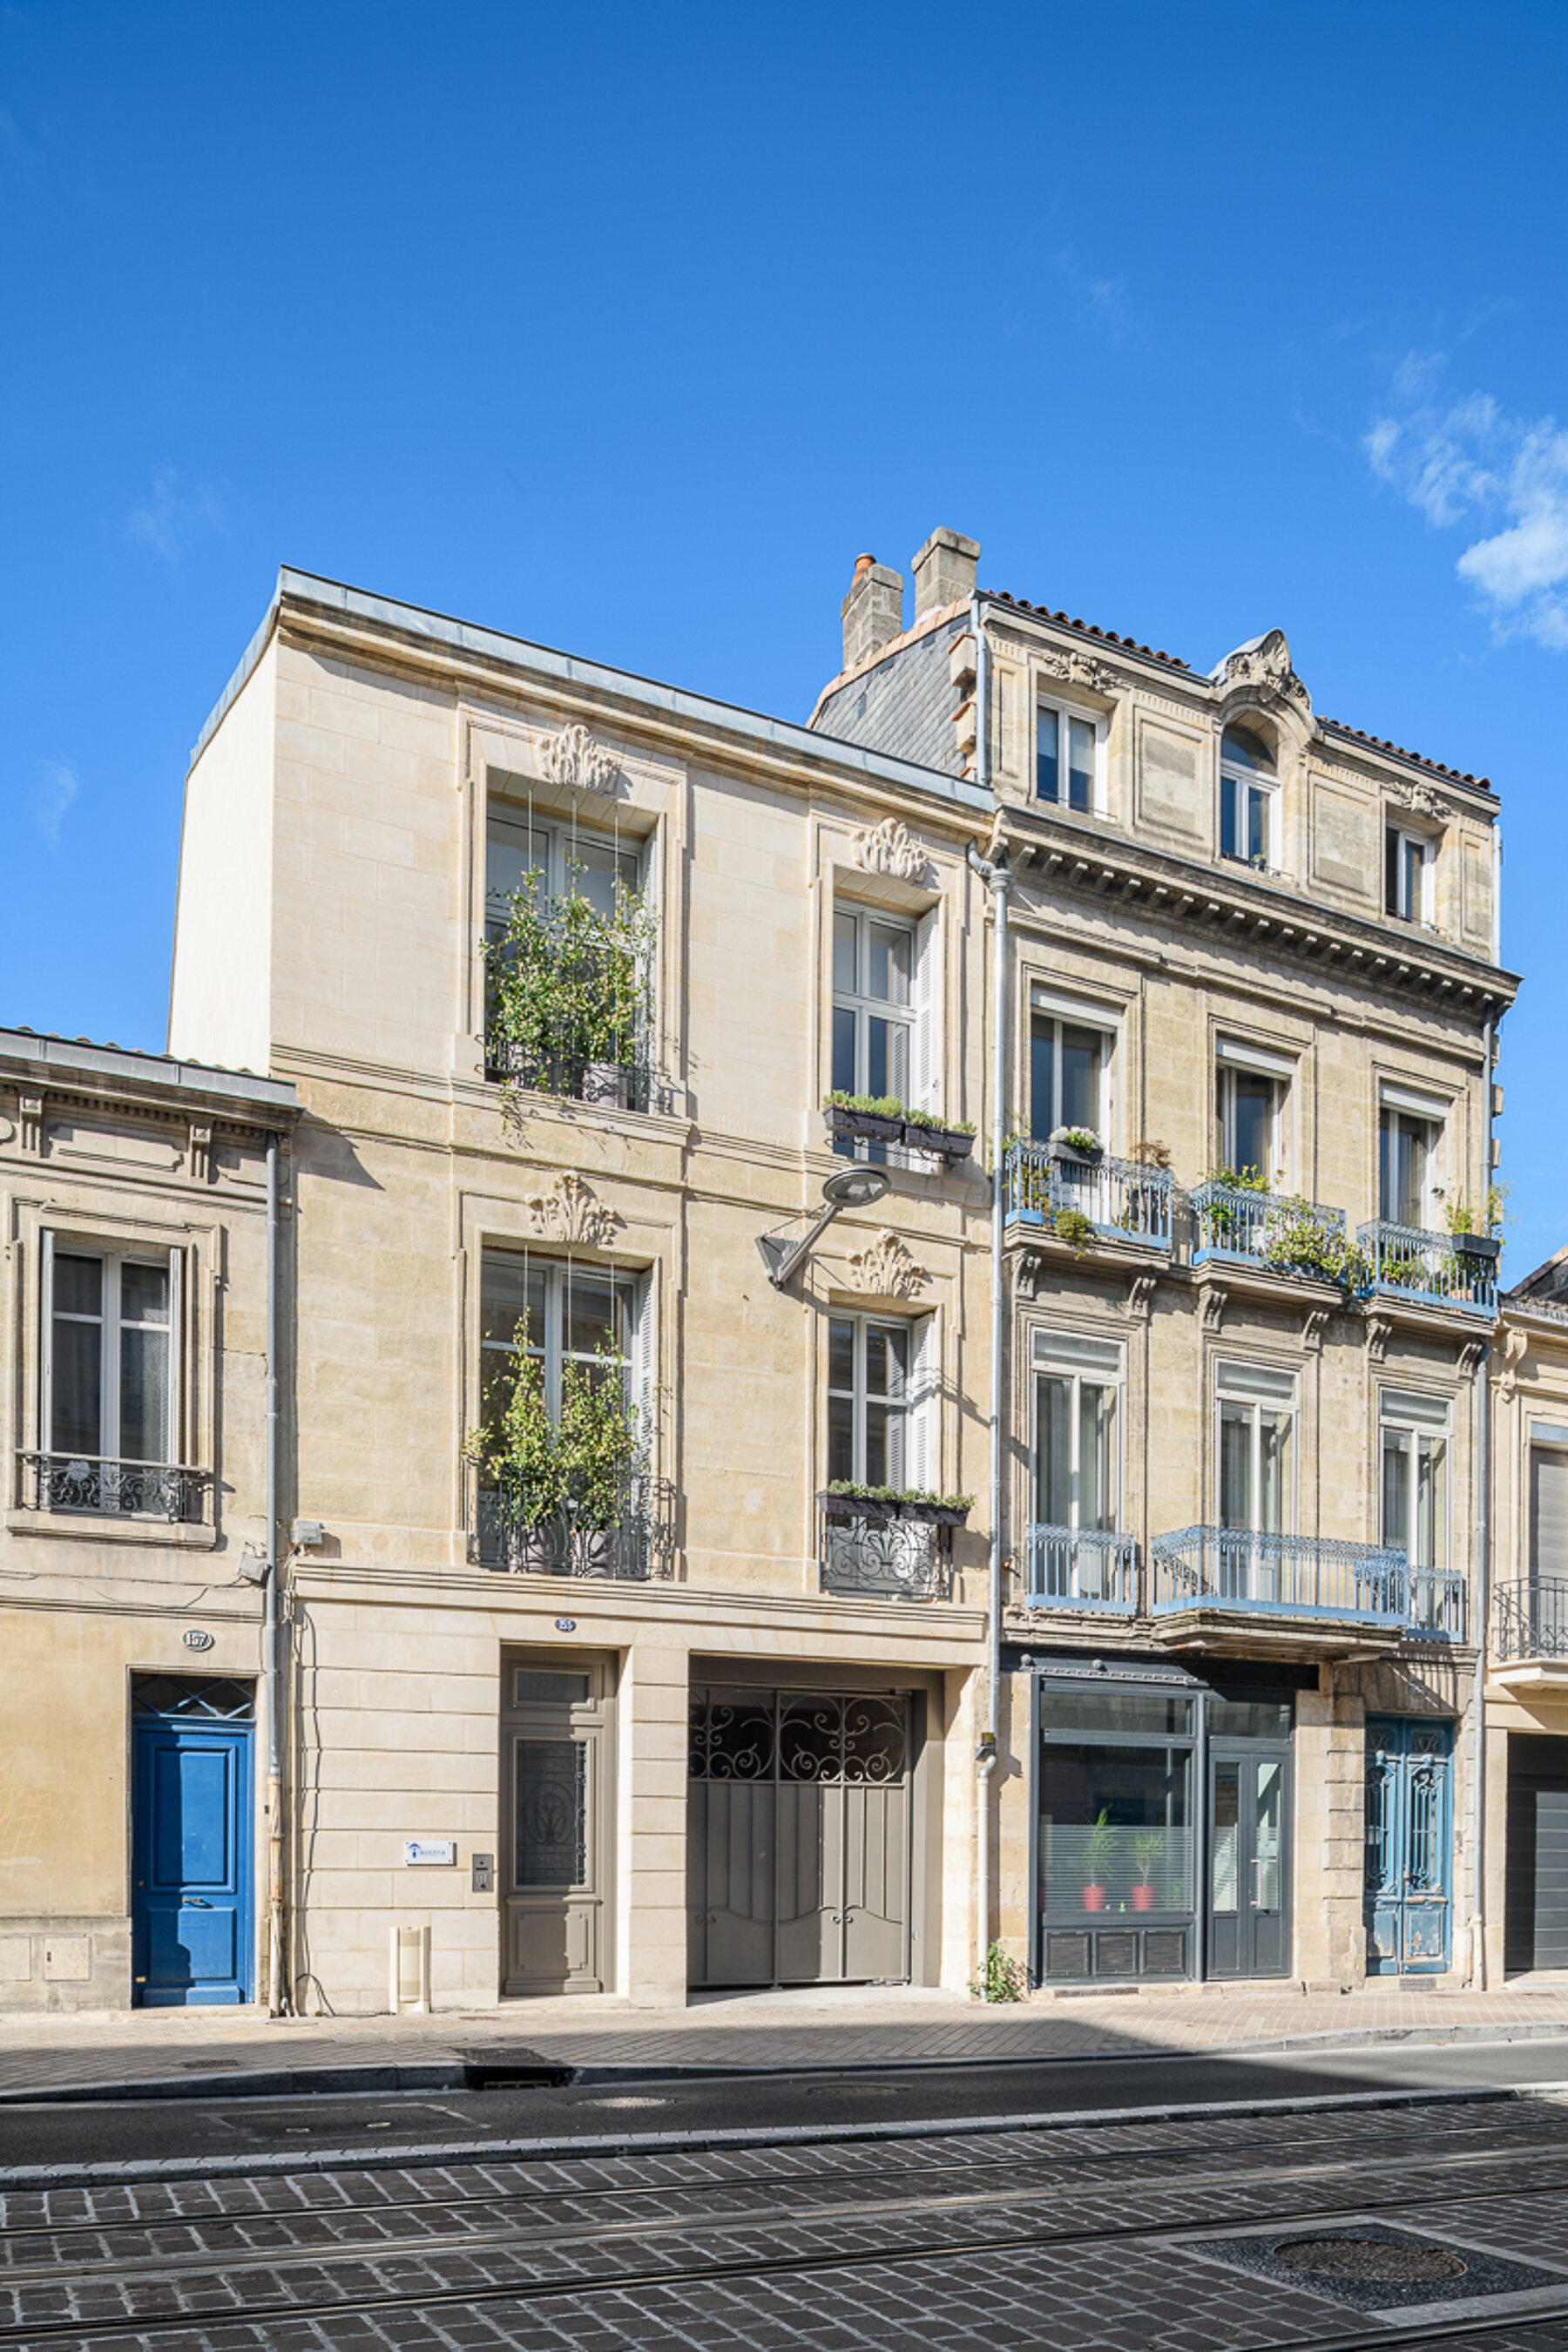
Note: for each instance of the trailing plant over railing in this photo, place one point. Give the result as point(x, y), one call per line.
point(568, 986)
point(893, 1106)
point(1298, 1239)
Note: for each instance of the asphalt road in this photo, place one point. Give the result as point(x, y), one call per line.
point(156, 2131)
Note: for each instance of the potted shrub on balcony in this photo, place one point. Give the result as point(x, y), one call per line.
point(519, 1452)
point(1076, 1145)
point(568, 986)
point(878, 1119)
point(600, 1451)
point(949, 1139)
point(1100, 1849)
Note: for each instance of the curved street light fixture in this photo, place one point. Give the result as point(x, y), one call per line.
point(847, 1188)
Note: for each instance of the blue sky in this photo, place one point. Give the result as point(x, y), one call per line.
point(626, 329)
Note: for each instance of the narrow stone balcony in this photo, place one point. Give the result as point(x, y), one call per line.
point(99, 1486)
point(1079, 1199)
point(1311, 1596)
point(1089, 1571)
point(1455, 1272)
point(1530, 1632)
point(631, 1533)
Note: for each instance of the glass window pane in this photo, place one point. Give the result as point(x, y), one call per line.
point(552, 1813)
point(1431, 1502)
point(593, 1312)
point(77, 1426)
point(1229, 843)
point(1080, 1051)
point(844, 935)
point(840, 1355)
point(144, 1294)
point(1235, 1465)
point(594, 869)
point(887, 1057)
point(1080, 765)
point(890, 978)
point(1096, 1456)
point(545, 1689)
point(512, 1291)
point(1226, 1836)
point(1256, 824)
point(887, 1359)
point(840, 1438)
point(1048, 764)
point(1253, 1123)
point(1053, 1439)
point(1397, 1488)
point(1250, 1718)
point(511, 850)
point(1114, 1834)
point(144, 1395)
point(1266, 1843)
point(844, 1051)
point(78, 1284)
point(884, 1444)
point(1042, 1080)
point(1275, 1519)
point(1156, 1711)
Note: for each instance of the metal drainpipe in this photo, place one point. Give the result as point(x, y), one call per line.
point(995, 876)
point(273, 1629)
point(1483, 1413)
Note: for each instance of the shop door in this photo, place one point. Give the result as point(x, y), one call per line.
point(191, 1922)
point(1536, 1913)
point(1250, 1876)
point(1409, 1845)
point(555, 1868)
point(798, 1837)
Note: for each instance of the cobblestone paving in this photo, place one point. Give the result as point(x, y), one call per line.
point(840, 2248)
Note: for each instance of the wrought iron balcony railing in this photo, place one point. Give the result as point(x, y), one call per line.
point(1234, 1226)
point(639, 1540)
point(101, 1486)
point(1123, 1198)
point(613, 1085)
point(1433, 1269)
point(868, 1548)
point(1532, 1618)
point(1238, 1573)
point(1089, 1569)
point(1436, 1605)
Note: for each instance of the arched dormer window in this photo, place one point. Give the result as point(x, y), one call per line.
point(1248, 799)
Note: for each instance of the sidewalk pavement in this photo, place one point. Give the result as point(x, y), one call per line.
point(815, 2026)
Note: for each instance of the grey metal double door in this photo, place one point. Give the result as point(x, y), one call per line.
point(799, 1818)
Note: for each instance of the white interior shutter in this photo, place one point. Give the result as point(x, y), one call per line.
point(925, 1073)
point(923, 1463)
point(642, 1361)
point(175, 1446)
point(1548, 1510)
point(47, 1341)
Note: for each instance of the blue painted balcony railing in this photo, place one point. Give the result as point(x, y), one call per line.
point(1089, 1569)
point(1436, 1605)
point(1532, 1618)
point(1432, 1268)
point(1124, 1200)
point(1237, 1573)
point(1234, 1226)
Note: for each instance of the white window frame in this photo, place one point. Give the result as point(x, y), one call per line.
point(1233, 1061)
point(1418, 1417)
point(553, 1353)
point(1426, 850)
point(559, 836)
point(170, 1262)
point(1064, 1014)
point(1267, 786)
point(1260, 1389)
point(1101, 1363)
point(1099, 725)
point(918, 1406)
point(1400, 1102)
point(865, 1007)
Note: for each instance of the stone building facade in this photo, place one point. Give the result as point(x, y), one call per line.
point(1246, 1037)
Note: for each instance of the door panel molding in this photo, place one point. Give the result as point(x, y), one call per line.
point(555, 1878)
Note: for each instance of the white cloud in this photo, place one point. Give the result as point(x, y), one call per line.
point(1466, 461)
point(172, 517)
point(55, 788)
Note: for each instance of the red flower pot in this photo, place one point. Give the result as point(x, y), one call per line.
point(1142, 1898)
point(1094, 1898)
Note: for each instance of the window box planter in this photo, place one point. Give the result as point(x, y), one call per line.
point(1480, 1245)
point(946, 1143)
point(872, 1125)
point(857, 1507)
point(1067, 1155)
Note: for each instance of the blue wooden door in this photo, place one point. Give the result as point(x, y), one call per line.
point(1409, 1845)
point(191, 1926)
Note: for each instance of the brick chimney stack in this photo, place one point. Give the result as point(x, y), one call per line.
point(873, 611)
point(944, 570)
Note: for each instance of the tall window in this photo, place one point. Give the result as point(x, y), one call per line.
point(1067, 1069)
point(1549, 1504)
point(874, 1402)
point(558, 1314)
point(1063, 758)
point(1414, 1445)
point(1408, 866)
point(1257, 1430)
point(569, 860)
point(1247, 797)
point(1407, 1153)
point(109, 1364)
point(1249, 1106)
point(873, 1010)
point(1077, 1392)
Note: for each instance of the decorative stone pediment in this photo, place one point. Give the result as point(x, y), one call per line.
point(888, 848)
point(574, 759)
point(886, 1268)
point(1081, 669)
point(572, 1212)
point(1264, 664)
point(1421, 798)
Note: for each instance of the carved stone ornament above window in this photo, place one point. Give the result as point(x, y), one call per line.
point(1081, 669)
point(886, 1268)
point(570, 1211)
point(574, 759)
point(1265, 665)
point(1422, 798)
point(888, 848)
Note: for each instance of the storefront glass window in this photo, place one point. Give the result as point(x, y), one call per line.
point(1115, 1827)
point(1125, 1711)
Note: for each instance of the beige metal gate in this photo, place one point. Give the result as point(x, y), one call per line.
point(798, 1836)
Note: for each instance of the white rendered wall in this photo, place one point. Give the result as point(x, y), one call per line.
point(221, 990)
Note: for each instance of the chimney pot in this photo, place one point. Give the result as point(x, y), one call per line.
point(944, 570)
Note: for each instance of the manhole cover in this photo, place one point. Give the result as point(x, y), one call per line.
point(1369, 2258)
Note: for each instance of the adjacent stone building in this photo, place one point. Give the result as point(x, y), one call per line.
point(710, 1705)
